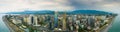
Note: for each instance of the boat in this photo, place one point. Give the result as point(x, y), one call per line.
point(58, 21)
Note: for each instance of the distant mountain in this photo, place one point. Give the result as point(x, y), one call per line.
point(33, 12)
point(93, 12)
point(89, 12)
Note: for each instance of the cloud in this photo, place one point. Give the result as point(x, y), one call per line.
point(21, 5)
point(104, 5)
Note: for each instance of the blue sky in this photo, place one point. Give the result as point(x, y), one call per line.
point(21, 5)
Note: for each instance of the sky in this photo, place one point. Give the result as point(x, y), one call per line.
point(59, 5)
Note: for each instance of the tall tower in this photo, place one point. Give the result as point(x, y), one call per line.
point(35, 20)
point(55, 19)
point(64, 21)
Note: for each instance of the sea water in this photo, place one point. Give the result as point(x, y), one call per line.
point(115, 25)
point(3, 27)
